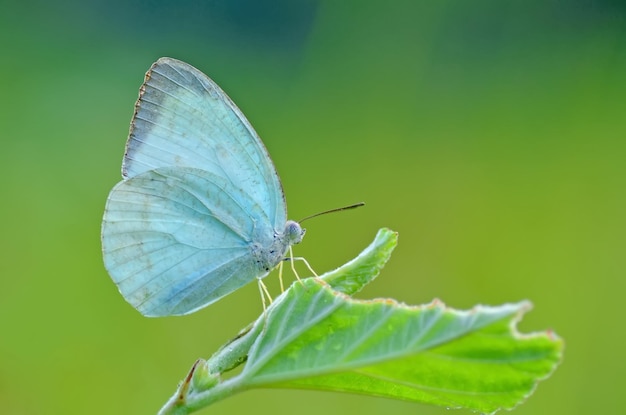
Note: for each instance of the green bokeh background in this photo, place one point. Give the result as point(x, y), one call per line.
point(490, 134)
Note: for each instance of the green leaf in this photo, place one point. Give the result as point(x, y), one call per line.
point(351, 277)
point(317, 337)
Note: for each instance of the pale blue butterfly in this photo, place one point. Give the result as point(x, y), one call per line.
point(201, 210)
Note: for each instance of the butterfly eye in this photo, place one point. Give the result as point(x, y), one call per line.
point(293, 232)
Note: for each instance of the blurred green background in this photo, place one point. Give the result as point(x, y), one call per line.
point(490, 134)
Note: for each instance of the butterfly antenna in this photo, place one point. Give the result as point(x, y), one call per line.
point(356, 205)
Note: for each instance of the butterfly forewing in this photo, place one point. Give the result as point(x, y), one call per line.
point(182, 118)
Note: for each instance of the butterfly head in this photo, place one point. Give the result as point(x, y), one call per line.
point(293, 233)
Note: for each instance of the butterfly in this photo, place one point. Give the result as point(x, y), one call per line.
point(200, 211)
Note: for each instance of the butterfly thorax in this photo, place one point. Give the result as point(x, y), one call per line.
point(267, 256)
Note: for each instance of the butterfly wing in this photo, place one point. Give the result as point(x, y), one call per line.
point(199, 192)
point(178, 239)
point(182, 118)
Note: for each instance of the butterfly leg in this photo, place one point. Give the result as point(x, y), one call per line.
point(292, 259)
point(293, 266)
point(280, 277)
point(299, 258)
point(264, 292)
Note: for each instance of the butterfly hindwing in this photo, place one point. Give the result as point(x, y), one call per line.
point(177, 239)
